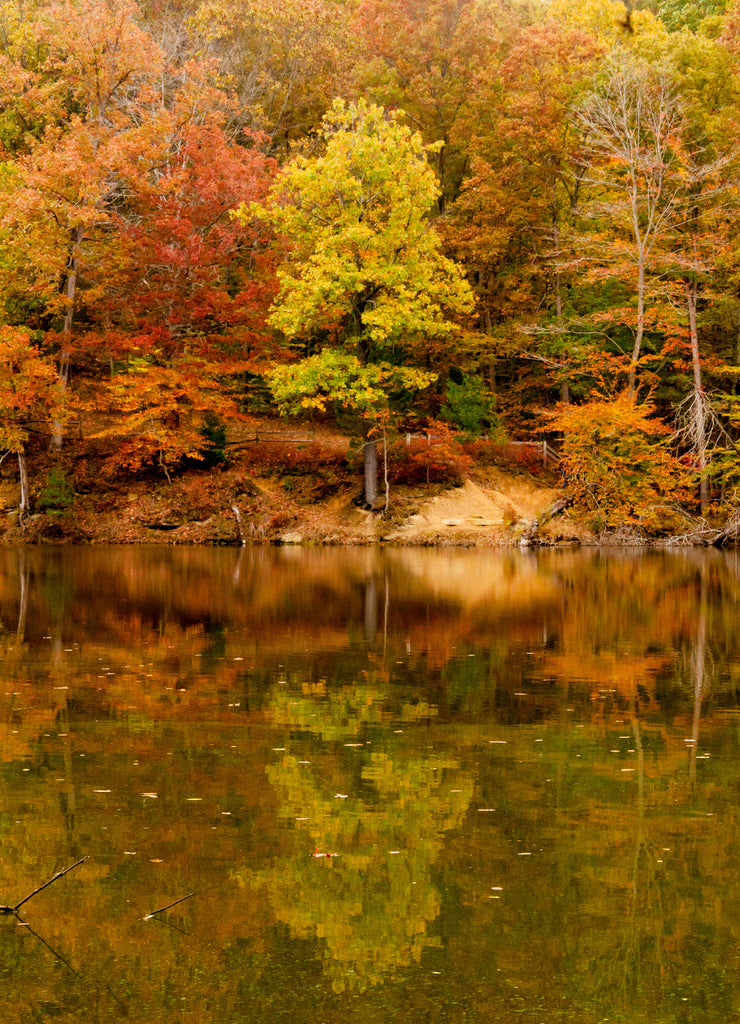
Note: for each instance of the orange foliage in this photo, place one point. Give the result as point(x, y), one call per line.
point(617, 460)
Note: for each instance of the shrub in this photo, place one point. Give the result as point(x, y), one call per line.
point(213, 432)
point(57, 495)
point(436, 458)
point(525, 458)
point(297, 460)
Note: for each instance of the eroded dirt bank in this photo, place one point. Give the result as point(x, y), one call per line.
point(312, 498)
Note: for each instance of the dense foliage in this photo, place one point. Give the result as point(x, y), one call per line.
point(479, 211)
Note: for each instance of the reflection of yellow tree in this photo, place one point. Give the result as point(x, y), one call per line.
point(375, 823)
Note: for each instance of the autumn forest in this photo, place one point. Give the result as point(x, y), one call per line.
point(482, 220)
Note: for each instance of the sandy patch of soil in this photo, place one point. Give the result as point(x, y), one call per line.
point(475, 511)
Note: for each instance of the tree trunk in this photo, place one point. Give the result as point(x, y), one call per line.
point(632, 379)
point(700, 427)
point(370, 449)
point(385, 470)
point(24, 507)
point(70, 292)
point(558, 289)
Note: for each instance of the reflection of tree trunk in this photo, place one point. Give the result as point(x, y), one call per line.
point(385, 618)
point(371, 610)
point(643, 888)
point(698, 664)
point(23, 597)
point(67, 793)
point(640, 800)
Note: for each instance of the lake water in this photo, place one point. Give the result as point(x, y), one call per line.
point(378, 786)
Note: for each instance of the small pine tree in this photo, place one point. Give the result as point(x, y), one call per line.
point(57, 495)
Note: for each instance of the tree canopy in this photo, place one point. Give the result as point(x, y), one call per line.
point(359, 207)
point(364, 271)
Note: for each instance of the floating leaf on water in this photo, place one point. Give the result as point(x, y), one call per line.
point(151, 796)
point(101, 791)
point(193, 799)
point(130, 853)
point(486, 810)
point(340, 796)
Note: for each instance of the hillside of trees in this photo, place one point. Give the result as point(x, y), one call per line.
point(477, 221)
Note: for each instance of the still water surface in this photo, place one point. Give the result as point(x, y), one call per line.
point(385, 786)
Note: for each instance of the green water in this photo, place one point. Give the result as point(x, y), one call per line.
point(384, 786)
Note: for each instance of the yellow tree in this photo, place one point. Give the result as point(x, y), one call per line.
point(365, 287)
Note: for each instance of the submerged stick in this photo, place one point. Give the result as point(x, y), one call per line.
point(16, 908)
point(169, 906)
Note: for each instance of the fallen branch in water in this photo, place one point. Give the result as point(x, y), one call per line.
point(16, 908)
point(169, 906)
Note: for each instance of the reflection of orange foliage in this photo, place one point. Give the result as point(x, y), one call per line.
point(608, 671)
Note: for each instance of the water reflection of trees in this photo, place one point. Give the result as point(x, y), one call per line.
point(630, 897)
point(371, 811)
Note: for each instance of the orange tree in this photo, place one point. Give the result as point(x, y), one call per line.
point(27, 395)
point(618, 464)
